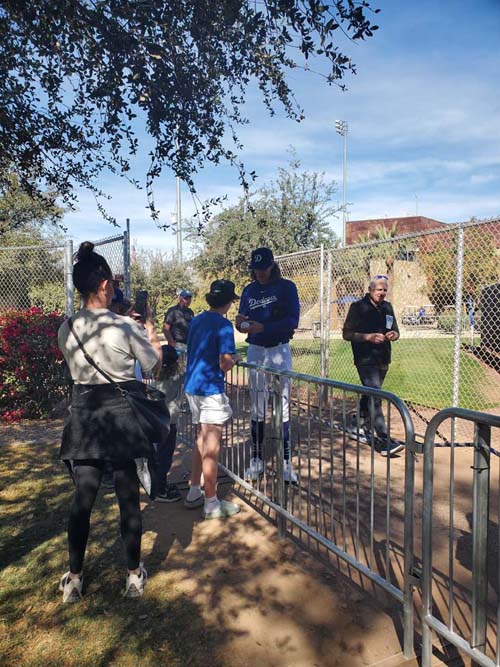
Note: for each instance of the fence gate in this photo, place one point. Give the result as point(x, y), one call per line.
point(460, 539)
point(41, 275)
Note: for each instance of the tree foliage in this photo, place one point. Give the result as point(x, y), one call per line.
point(77, 79)
point(440, 261)
point(161, 276)
point(21, 209)
point(289, 214)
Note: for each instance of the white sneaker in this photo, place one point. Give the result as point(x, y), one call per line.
point(71, 588)
point(255, 469)
point(289, 475)
point(136, 583)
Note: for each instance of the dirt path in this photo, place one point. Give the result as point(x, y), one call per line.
point(259, 601)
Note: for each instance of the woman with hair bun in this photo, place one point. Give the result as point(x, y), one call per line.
point(101, 429)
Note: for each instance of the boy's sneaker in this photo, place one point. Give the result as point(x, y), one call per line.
point(391, 448)
point(136, 583)
point(289, 475)
point(170, 495)
point(71, 588)
point(224, 510)
point(197, 502)
point(255, 469)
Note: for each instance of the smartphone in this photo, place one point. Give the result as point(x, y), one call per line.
point(141, 303)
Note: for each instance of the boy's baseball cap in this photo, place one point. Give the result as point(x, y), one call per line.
point(262, 258)
point(186, 294)
point(224, 288)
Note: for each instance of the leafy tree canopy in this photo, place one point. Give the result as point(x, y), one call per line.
point(291, 213)
point(161, 276)
point(74, 74)
point(22, 212)
point(440, 260)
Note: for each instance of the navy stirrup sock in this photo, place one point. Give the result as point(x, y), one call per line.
point(257, 429)
point(286, 440)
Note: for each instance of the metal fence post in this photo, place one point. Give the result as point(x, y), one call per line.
point(458, 317)
point(409, 551)
point(277, 436)
point(322, 310)
point(427, 514)
point(328, 312)
point(126, 260)
point(68, 279)
point(480, 515)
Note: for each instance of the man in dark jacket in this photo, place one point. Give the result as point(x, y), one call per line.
point(371, 327)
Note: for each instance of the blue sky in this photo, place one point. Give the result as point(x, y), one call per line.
point(424, 128)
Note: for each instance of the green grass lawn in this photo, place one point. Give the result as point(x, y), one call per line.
point(421, 371)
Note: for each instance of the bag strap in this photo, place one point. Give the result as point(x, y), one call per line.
point(89, 359)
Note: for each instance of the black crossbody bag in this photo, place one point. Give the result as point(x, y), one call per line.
point(148, 403)
point(150, 409)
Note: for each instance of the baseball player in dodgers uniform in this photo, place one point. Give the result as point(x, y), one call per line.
point(269, 313)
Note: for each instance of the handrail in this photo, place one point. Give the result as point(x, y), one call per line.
point(481, 493)
point(353, 388)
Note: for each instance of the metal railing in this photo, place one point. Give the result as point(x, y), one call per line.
point(474, 629)
point(347, 498)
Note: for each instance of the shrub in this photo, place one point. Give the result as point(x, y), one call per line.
point(50, 296)
point(446, 321)
point(31, 370)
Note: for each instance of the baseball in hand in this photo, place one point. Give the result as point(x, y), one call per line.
point(244, 326)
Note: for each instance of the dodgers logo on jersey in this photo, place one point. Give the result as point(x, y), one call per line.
point(261, 303)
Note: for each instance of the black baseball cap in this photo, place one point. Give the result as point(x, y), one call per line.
point(262, 258)
point(168, 355)
point(224, 289)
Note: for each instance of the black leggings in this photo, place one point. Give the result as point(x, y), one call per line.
point(87, 477)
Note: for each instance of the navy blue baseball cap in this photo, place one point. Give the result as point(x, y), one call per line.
point(185, 293)
point(262, 258)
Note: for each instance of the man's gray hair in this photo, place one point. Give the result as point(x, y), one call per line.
point(375, 280)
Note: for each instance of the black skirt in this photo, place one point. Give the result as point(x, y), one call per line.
point(101, 425)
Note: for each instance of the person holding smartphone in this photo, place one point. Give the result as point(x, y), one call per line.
point(102, 430)
point(371, 327)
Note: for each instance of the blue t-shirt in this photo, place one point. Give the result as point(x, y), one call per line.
point(276, 306)
point(210, 335)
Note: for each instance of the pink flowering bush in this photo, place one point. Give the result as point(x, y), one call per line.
point(32, 378)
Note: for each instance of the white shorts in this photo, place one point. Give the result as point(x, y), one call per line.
point(213, 409)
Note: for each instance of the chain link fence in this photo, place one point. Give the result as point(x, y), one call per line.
point(307, 270)
point(444, 286)
point(41, 275)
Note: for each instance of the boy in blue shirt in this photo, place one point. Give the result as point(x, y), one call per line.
point(211, 352)
point(269, 313)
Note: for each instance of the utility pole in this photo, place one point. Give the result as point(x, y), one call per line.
point(341, 128)
point(179, 219)
point(178, 211)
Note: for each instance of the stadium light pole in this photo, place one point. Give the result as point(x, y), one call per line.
point(341, 128)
